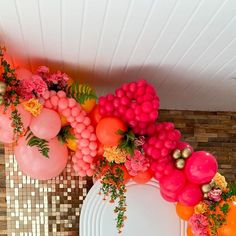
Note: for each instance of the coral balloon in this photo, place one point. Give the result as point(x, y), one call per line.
point(6, 129)
point(23, 74)
point(25, 116)
point(201, 167)
point(46, 125)
point(184, 212)
point(143, 176)
point(231, 216)
point(34, 164)
point(173, 182)
point(107, 131)
point(189, 231)
point(227, 230)
point(95, 115)
point(190, 195)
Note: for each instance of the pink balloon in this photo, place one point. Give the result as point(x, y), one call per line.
point(182, 145)
point(34, 164)
point(173, 182)
point(169, 196)
point(24, 115)
point(201, 167)
point(46, 125)
point(190, 195)
point(6, 129)
point(23, 74)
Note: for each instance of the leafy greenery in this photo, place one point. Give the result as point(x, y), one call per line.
point(80, 92)
point(11, 97)
point(41, 144)
point(127, 142)
point(65, 134)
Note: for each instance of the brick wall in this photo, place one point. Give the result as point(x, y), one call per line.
point(210, 131)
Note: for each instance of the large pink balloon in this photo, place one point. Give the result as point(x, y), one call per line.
point(190, 195)
point(23, 74)
point(25, 116)
point(33, 163)
point(173, 182)
point(169, 196)
point(201, 167)
point(46, 125)
point(6, 129)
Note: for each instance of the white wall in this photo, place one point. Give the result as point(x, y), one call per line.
point(187, 48)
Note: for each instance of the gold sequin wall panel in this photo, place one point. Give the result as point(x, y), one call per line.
point(42, 207)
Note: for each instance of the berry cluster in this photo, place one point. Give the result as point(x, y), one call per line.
point(136, 103)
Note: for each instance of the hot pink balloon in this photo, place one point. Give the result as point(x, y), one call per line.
point(6, 129)
point(173, 182)
point(201, 167)
point(24, 115)
point(23, 74)
point(169, 196)
point(190, 195)
point(182, 145)
point(32, 163)
point(46, 125)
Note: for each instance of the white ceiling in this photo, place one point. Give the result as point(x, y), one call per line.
point(187, 48)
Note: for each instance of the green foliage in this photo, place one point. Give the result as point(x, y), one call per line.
point(65, 134)
point(41, 144)
point(127, 142)
point(80, 92)
point(16, 121)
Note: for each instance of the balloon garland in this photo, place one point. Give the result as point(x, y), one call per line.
point(118, 139)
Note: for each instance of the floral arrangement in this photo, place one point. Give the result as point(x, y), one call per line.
point(113, 141)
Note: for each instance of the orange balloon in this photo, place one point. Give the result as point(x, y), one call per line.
point(227, 230)
point(184, 212)
point(107, 131)
point(143, 176)
point(189, 231)
point(231, 216)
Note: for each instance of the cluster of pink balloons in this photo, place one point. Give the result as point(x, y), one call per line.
point(84, 132)
point(184, 186)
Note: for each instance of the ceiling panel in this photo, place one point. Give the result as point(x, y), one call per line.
point(186, 48)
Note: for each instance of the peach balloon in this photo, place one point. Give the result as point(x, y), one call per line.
point(46, 125)
point(23, 74)
point(32, 163)
point(24, 115)
point(6, 129)
point(189, 231)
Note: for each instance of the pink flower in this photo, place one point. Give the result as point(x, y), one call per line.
point(215, 195)
point(43, 69)
point(136, 163)
point(39, 85)
point(25, 89)
point(199, 224)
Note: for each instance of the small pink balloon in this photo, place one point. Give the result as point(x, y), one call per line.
point(182, 145)
point(6, 129)
point(24, 115)
point(23, 74)
point(191, 195)
point(173, 182)
point(32, 163)
point(201, 167)
point(46, 125)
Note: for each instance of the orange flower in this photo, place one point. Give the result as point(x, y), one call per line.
point(220, 181)
point(201, 208)
point(115, 154)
